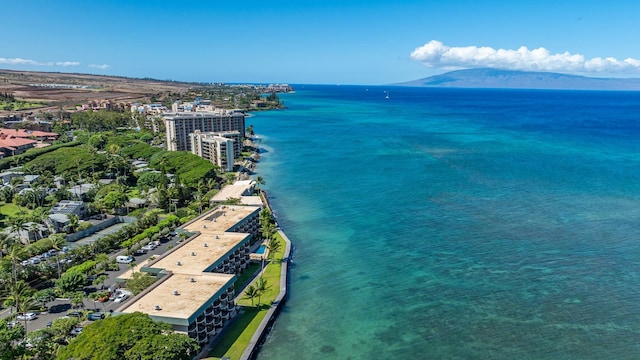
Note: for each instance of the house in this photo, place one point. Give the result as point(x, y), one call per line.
point(11, 145)
point(81, 191)
point(59, 221)
point(33, 231)
point(68, 207)
point(7, 176)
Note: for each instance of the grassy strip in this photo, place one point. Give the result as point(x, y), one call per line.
point(245, 277)
point(236, 339)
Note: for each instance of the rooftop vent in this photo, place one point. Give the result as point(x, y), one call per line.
point(204, 226)
point(175, 292)
point(178, 263)
point(156, 307)
point(192, 280)
point(193, 253)
point(217, 237)
point(205, 245)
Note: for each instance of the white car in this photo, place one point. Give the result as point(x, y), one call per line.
point(76, 331)
point(26, 316)
point(121, 297)
point(148, 247)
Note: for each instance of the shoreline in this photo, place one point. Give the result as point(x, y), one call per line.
point(261, 334)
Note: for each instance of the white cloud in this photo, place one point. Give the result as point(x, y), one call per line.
point(20, 61)
point(436, 54)
point(67, 63)
point(103, 66)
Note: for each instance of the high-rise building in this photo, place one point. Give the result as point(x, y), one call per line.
point(179, 125)
point(221, 148)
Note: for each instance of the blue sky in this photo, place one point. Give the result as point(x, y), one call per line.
point(323, 42)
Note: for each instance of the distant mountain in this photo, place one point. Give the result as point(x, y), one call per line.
point(494, 78)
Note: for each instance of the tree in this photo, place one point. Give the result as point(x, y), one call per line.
point(261, 287)
point(42, 344)
point(10, 345)
point(44, 296)
point(260, 181)
point(20, 296)
point(56, 241)
point(129, 336)
point(162, 347)
point(102, 261)
point(77, 299)
point(73, 222)
point(71, 281)
point(273, 246)
point(100, 280)
point(139, 281)
point(16, 253)
point(251, 292)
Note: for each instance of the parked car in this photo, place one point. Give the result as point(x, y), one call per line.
point(95, 316)
point(76, 331)
point(12, 324)
point(155, 243)
point(26, 316)
point(76, 314)
point(124, 259)
point(121, 297)
point(140, 251)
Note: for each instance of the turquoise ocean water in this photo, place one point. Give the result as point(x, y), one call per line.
point(456, 224)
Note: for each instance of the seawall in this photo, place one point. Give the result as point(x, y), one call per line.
point(267, 323)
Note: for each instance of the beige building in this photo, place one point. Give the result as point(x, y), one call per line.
point(180, 124)
point(195, 291)
point(221, 148)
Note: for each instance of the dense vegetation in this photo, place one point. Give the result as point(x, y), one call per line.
point(129, 336)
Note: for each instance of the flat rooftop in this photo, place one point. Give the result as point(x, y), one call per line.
point(235, 190)
point(220, 219)
point(194, 257)
point(192, 295)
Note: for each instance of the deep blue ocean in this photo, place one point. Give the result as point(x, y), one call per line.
point(456, 224)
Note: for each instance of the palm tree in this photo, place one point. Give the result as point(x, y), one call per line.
point(261, 287)
point(15, 253)
point(251, 292)
point(16, 224)
point(259, 181)
point(56, 241)
point(20, 296)
point(273, 246)
point(73, 222)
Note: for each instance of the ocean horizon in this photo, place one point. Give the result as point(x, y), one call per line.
point(456, 223)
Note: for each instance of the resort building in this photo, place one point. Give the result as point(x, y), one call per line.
point(241, 189)
point(195, 291)
point(220, 148)
point(179, 125)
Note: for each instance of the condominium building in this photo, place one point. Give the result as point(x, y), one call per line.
point(221, 148)
point(180, 124)
point(195, 292)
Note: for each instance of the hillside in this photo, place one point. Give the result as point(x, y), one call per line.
point(68, 89)
point(494, 78)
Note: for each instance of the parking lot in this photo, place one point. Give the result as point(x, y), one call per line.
point(60, 307)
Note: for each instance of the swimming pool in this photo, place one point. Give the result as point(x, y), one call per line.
point(260, 250)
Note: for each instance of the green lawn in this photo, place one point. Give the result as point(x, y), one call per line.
point(11, 209)
point(239, 333)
